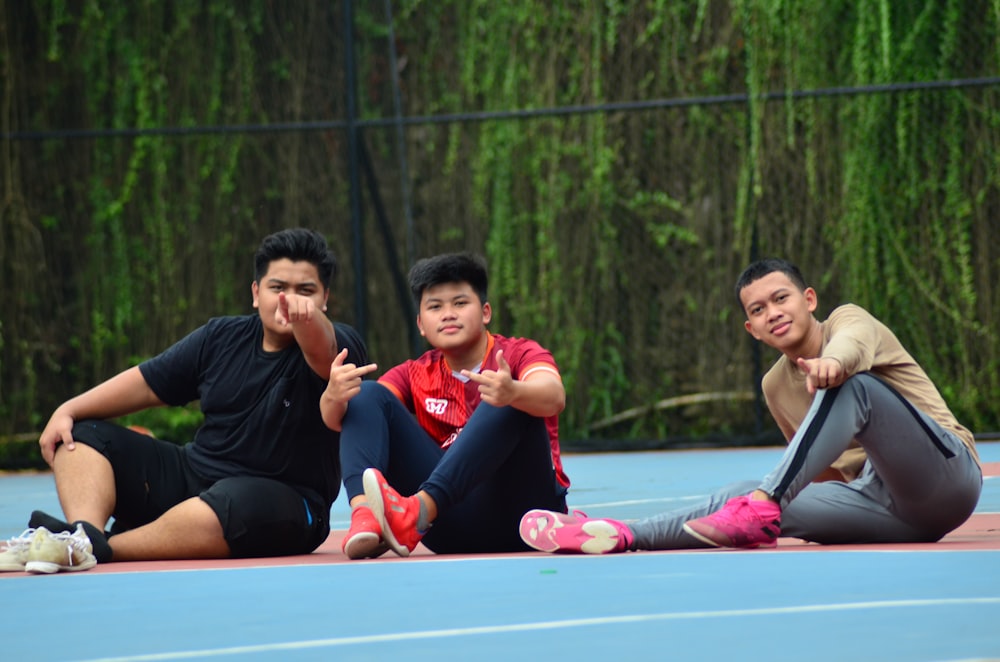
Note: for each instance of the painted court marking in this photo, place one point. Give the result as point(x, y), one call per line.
point(893, 598)
point(553, 625)
point(639, 502)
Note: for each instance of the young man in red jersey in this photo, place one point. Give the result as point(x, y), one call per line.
point(874, 454)
point(469, 429)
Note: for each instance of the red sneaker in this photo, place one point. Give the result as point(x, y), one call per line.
point(364, 538)
point(396, 514)
point(549, 531)
point(742, 522)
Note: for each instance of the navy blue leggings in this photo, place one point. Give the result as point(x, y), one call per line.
point(499, 467)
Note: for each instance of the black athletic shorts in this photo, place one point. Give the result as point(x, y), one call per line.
point(259, 516)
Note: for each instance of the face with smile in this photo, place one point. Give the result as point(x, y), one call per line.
point(452, 317)
point(780, 315)
point(292, 278)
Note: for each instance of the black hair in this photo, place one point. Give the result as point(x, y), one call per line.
point(761, 268)
point(298, 245)
point(449, 268)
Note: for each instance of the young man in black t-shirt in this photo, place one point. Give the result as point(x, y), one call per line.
point(261, 473)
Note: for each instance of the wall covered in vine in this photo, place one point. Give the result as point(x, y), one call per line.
point(155, 143)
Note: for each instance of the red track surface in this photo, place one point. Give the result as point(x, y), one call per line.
point(981, 532)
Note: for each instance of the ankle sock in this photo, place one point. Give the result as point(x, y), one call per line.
point(422, 523)
point(53, 524)
point(98, 540)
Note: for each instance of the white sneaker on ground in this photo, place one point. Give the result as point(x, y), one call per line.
point(59, 552)
point(15, 552)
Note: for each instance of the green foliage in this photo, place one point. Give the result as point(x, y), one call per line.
point(613, 236)
point(932, 204)
point(176, 424)
point(20, 454)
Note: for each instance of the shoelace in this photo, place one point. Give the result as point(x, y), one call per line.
point(73, 541)
point(746, 514)
point(22, 540)
point(741, 511)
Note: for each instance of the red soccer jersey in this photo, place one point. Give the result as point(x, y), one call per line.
point(443, 402)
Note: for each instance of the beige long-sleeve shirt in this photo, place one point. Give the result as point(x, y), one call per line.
point(860, 343)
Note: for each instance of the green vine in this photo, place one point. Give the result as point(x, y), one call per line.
point(613, 235)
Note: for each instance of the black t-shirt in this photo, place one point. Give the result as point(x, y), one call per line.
point(261, 408)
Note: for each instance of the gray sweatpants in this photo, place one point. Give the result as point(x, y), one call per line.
point(919, 483)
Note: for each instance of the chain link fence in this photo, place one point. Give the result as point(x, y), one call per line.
point(615, 213)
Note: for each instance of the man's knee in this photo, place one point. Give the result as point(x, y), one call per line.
point(496, 415)
point(864, 382)
point(80, 453)
point(263, 517)
point(84, 456)
point(372, 397)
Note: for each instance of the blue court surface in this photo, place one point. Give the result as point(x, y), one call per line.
point(799, 602)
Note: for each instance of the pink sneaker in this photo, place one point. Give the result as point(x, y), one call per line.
point(742, 522)
point(549, 531)
point(397, 515)
point(364, 538)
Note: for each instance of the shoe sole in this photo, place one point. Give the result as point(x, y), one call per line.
point(373, 493)
point(728, 544)
point(541, 532)
point(602, 538)
point(533, 531)
point(703, 538)
point(48, 568)
point(365, 545)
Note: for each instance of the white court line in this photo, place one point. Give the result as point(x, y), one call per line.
point(548, 625)
point(639, 502)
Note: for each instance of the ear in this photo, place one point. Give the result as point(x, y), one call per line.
point(812, 299)
point(487, 313)
point(255, 291)
point(749, 327)
point(420, 326)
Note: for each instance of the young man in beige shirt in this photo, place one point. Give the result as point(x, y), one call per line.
point(874, 454)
